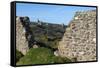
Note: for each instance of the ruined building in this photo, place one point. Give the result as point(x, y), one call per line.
point(23, 34)
point(79, 40)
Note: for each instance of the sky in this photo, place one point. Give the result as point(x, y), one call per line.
point(49, 13)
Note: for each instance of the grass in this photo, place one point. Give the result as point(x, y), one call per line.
point(41, 56)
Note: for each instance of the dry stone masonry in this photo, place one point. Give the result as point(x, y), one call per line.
point(79, 40)
point(23, 34)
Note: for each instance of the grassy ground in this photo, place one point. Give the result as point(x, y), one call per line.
point(41, 56)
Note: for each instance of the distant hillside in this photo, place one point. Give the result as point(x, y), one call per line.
point(45, 33)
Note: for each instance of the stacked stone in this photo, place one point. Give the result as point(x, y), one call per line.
point(21, 40)
point(79, 40)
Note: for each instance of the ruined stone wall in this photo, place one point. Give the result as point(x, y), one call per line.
point(79, 40)
point(22, 43)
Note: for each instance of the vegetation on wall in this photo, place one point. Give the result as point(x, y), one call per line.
point(18, 55)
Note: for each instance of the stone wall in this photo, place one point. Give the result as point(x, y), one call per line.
point(23, 34)
point(79, 40)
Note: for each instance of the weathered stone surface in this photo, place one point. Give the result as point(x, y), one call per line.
point(35, 46)
point(79, 40)
point(56, 53)
point(22, 34)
